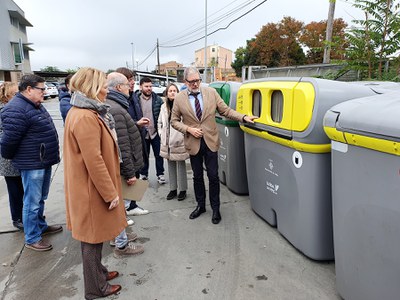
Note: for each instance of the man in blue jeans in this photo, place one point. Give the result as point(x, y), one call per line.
point(30, 139)
point(150, 105)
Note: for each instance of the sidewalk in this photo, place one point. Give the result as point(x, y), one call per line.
point(241, 258)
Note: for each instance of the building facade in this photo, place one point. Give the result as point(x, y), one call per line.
point(14, 46)
point(217, 56)
point(219, 60)
point(171, 67)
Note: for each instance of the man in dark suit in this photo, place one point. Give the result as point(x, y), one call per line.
point(196, 107)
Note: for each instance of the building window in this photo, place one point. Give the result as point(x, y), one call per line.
point(18, 53)
point(14, 22)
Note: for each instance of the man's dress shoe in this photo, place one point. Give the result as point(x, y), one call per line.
point(197, 212)
point(112, 289)
point(216, 217)
point(111, 275)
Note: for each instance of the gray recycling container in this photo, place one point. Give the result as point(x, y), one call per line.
point(288, 156)
point(365, 137)
point(231, 157)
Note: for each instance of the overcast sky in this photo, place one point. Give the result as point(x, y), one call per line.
point(99, 33)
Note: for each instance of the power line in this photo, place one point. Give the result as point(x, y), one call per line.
point(212, 23)
point(221, 28)
point(147, 57)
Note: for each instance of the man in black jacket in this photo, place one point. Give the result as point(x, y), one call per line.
point(30, 139)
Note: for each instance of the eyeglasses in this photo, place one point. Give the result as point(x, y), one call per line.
point(193, 81)
point(39, 88)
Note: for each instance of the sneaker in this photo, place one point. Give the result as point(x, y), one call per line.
point(143, 177)
point(18, 224)
point(130, 235)
point(130, 221)
point(171, 195)
point(130, 249)
point(161, 179)
point(182, 195)
point(39, 246)
point(137, 211)
point(52, 229)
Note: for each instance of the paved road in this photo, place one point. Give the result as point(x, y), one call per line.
point(241, 258)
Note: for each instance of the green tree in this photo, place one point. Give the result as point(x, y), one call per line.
point(71, 71)
point(238, 63)
point(377, 37)
point(245, 57)
point(50, 69)
point(313, 38)
point(277, 44)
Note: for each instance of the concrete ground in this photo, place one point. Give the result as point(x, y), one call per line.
point(241, 258)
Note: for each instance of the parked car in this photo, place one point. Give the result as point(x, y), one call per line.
point(157, 88)
point(56, 83)
point(51, 90)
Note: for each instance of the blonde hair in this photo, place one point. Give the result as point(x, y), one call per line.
point(88, 81)
point(5, 91)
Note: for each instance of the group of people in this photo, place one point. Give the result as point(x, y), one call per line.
point(108, 133)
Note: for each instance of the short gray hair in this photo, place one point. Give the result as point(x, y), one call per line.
point(115, 78)
point(190, 70)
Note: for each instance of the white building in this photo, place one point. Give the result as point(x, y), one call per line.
point(14, 46)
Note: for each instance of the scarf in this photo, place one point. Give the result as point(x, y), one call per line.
point(78, 99)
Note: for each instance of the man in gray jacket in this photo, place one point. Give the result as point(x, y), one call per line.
point(130, 145)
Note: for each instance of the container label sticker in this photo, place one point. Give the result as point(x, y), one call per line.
point(341, 147)
point(297, 159)
point(271, 167)
point(226, 131)
point(221, 145)
point(273, 188)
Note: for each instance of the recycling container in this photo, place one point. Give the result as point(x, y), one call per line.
point(231, 156)
point(288, 156)
point(365, 196)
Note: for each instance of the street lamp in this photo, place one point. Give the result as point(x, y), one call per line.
point(133, 57)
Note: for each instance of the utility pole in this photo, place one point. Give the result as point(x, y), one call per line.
point(133, 57)
point(158, 58)
point(329, 30)
point(205, 44)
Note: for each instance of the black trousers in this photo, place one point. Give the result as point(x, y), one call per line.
point(15, 196)
point(210, 159)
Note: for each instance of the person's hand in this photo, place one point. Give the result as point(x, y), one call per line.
point(196, 132)
point(143, 122)
point(249, 119)
point(114, 203)
point(131, 181)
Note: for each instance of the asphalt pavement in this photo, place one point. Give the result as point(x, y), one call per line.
point(243, 257)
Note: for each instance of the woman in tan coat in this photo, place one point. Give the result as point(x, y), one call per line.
point(92, 180)
point(172, 147)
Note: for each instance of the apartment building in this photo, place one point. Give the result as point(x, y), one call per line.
point(14, 46)
point(217, 56)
